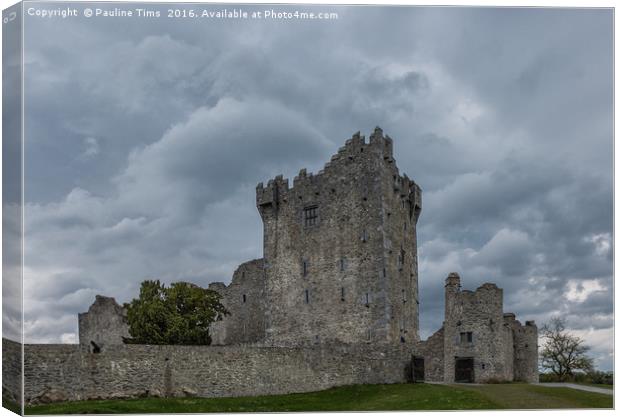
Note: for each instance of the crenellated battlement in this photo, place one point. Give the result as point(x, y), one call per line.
point(342, 221)
point(271, 194)
point(356, 151)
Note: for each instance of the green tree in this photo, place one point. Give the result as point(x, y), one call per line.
point(562, 352)
point(178, 315)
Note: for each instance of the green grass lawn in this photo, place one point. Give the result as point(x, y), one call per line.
point(354, 398)
point(525, 396)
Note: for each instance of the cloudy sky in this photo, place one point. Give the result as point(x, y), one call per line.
point(146, 138)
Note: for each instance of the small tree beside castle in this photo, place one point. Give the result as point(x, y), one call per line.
point(563, 353)
point(177, 315)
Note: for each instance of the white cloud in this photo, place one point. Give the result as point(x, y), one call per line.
point(602, 243)
point(69, 338)
point(579, 291)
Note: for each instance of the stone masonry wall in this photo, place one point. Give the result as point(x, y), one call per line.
point(11, 370)
point(525, 351)
point(350, 275)
point(501, 348)
point(432, 352)
point(244, 298)
point(105, 324)
point(480, 313)
point(68, 372)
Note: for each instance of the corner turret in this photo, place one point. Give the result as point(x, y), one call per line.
point(268, 198)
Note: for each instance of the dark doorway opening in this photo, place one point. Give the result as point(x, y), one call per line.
point(464, 370)
point(418, 369)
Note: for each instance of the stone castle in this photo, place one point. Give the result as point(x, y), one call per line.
point(333, 301)
point(340, 256)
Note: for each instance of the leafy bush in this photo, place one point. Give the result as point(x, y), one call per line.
point(178, 315)
point(601, 377)
point(591, 377)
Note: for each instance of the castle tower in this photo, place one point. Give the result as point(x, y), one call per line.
point(340, 250)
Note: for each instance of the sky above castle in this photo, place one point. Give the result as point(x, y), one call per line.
point(145, 140)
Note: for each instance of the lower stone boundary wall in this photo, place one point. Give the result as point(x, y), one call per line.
point(69, 372)
point(11, 370)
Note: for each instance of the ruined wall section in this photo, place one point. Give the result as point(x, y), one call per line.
point(329, 279)
point(525, 349)
point(480, 313)
point(105, 324)
point(244, 298)
point(66, 372)
point(432, 350)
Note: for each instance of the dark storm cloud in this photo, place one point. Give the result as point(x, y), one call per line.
point(145, 143)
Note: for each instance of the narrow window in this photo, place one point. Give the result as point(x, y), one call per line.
point(304, 268)
point(311, 215)
point(364, 236)
point(383, 272)
point(342, 264)
point(342, 295)
point(95, 347)
point(368, 335)
point(466, 337)
point(244, 298)
point(367, 300)
point(307, 297)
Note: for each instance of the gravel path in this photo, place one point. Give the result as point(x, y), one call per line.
point(577, 386)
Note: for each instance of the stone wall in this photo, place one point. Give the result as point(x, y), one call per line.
point(11, 370)
point(244, 299)
point(526, 351)
point(52, 371)
point(479, 312)
point(349, 273)
point(69, 372)
point(501, 348)
point(432, 352)
point(105, 324)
